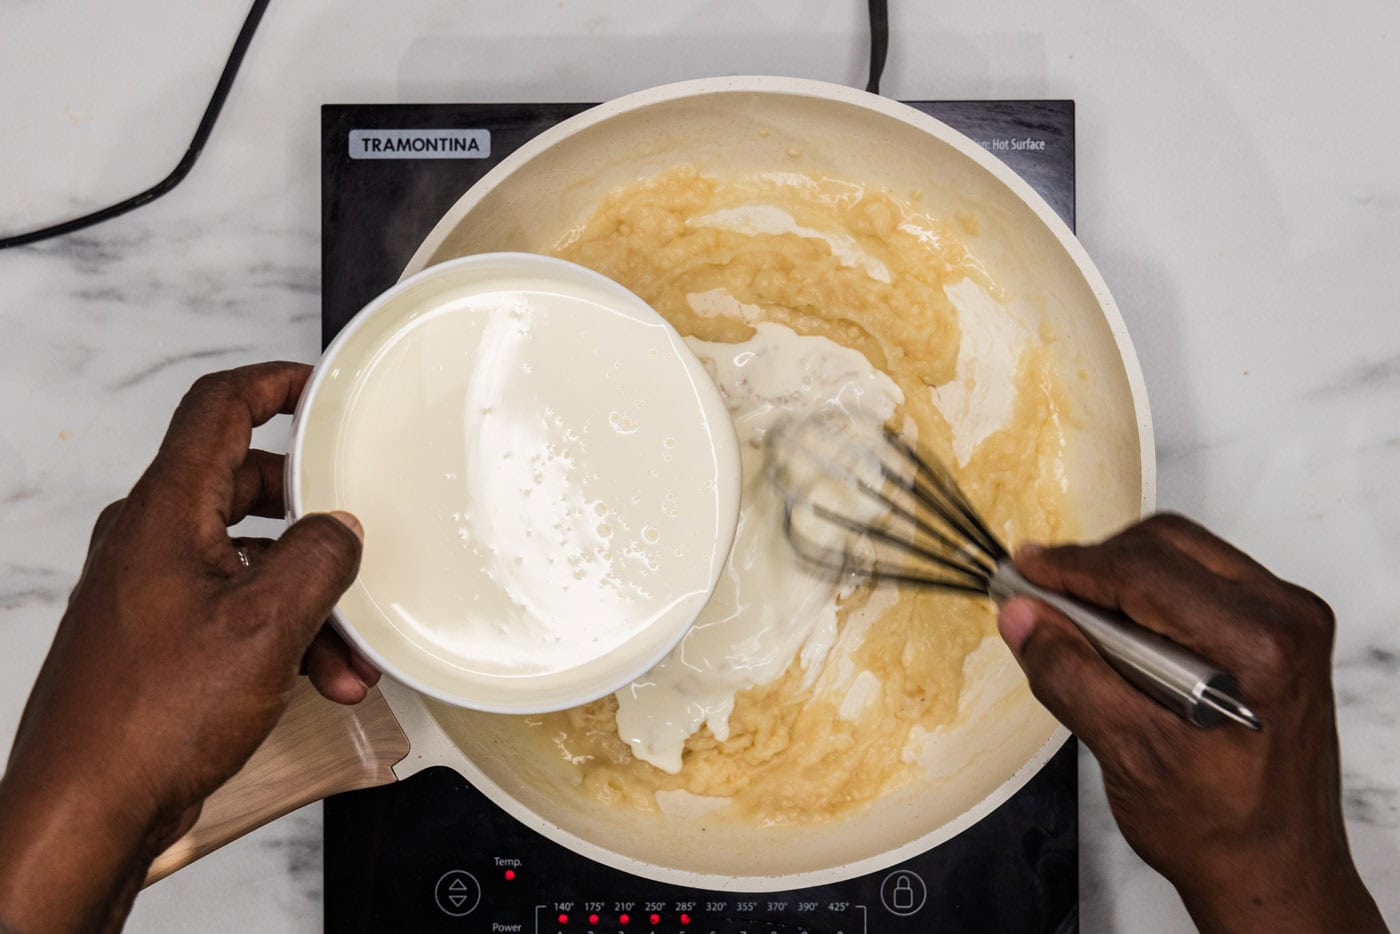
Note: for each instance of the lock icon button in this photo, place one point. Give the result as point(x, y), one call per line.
point(903, 893)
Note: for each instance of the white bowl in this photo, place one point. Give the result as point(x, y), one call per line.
point(416, 653)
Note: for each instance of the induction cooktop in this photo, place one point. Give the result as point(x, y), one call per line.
point(431, 853)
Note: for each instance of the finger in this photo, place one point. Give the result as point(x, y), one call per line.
point(257, 487)
point(331, 668)
point(217, 415)
point(1212, 552)
point(210, 431)
point(1071, 678)
point(303, 574)
point(1152, 583)
point(364, 668)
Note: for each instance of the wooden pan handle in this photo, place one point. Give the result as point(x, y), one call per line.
point(318, 748)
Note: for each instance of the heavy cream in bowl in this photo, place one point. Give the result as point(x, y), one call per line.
point(547, 477)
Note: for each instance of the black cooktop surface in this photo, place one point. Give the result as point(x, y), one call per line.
point(431, 853)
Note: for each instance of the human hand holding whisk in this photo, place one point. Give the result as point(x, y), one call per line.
point(1245, 822)
point(899, 515)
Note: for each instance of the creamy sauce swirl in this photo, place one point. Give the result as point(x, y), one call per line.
point(767, 609)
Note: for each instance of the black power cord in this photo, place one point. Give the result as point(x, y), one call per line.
point(879, 48)
point(201, 136)
point(879, 42)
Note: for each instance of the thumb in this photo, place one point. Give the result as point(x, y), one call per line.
point(305, 571)
point(1069, 676)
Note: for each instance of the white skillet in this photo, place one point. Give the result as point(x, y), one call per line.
point(1002, 736)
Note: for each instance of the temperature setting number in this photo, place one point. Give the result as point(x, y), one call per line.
point(727, 916)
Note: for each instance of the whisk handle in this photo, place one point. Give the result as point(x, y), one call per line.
point(1170, 674)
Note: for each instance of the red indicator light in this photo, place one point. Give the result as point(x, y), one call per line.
point(655, 919)
point(563, 919)
point(592, 919)
point(510, 874)
point(685, 919)
point(623, 919)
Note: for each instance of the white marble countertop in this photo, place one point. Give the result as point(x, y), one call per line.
point(1238, 187)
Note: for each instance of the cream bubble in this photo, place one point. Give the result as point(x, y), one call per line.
point(623, 424)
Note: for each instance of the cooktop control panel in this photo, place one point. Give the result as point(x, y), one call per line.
point(903, 894)
point(433, 854)
point(798, 912)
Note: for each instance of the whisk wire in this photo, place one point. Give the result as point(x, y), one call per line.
point(919, 523)
point(879, 533)
point(947, 496)
point(843, 561)
point(920, 517)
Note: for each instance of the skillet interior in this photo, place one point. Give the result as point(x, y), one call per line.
point(1002, 736)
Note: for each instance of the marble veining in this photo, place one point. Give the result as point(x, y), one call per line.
point(299, 850)
point(26, 583)
point(1365, 375)
point(154, 368)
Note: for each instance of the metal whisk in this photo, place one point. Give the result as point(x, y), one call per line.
point(859, 499)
